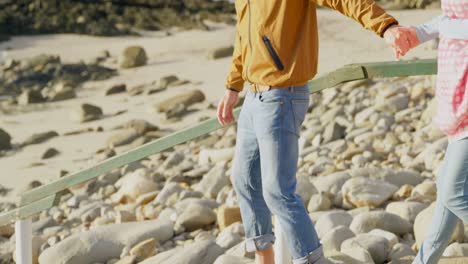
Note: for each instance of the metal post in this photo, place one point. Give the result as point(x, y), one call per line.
point(282, 255)
point(23, 233)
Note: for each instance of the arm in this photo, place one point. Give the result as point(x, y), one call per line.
point(454, 28)
point(234, 79)
point(429, 30)
point(369, 14)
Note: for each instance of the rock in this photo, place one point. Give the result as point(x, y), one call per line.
point(133, 185)
point(358, 253)
point(228, 259)
point(168, 190)
point(205, 251)
point(425, 189)
point(49, 153)
point(365, 222)
point(144, 249)
point(332, 240)
point(207, 156)
point(61, 91)
point(186, 99)
point(40, 138)
point(456, 250)
point(227, 216)
point(360, 191)
point(341, 258)
point(104, 242)
point(333, 131)
point(5, 140)
point(218, 53)
point(319, 202)
point(30, 97)
point(132, 56)
point(166, 81)
point(213, 181)
point(403, 193)
point(378, 247)
point(139, 125)
point(330, 220)
point(331, 183)
point(406, 210)
point(391, 238)
point(196, 216)
point(305, 189)
point(86, 113)
point(228, 239)
point(422, 223)
point(7, 231)
point(122, 138)
point(400, 250)
point(126, 260)
point(123, 216)
point(115, 89)
point(395, 177)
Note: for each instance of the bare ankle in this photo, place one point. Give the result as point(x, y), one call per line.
point(265, 256)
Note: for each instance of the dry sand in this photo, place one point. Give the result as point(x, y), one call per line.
point(342, 41)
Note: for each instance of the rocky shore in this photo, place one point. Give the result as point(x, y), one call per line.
point(369, 155)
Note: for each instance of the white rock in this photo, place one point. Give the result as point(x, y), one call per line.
point(423, 221)
point(365, 222)
point(391, 238)
point(319, 202)
point(305, 189)
point(456, 250)
point(204, 251)
point(228, 239)
point(169, 189)
point(359, 254)
point(207, 156)
point(332, 240)
point(228, 259)
point(328, 221)
point(212, 183)
point(133, 185)
point(331, 183)
point(104, 242)
point(196, 216)
point(360, 191)
point(378, 247)
point(400, 250)
point(406, 210)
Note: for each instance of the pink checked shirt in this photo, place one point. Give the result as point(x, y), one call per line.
point(451, 88)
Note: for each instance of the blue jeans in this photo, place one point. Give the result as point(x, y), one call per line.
point(451, 203)
point(264, 172)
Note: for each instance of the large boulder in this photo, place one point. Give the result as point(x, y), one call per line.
point(365, 222)
point(423, 221)
point(361, 191)
point(105, 242)
point(378, 247)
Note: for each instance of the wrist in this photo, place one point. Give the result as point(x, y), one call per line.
point(232, 89)
point(389, 26)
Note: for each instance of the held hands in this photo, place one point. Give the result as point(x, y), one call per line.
point(401, 39)
point(225, 107)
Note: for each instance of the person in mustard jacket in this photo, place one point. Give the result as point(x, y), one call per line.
point(276, 48)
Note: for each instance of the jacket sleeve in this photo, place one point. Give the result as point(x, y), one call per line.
point(368, 13)
point(234, 78)
point(429, 30)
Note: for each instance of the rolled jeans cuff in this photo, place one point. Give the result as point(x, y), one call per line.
point(259, 242)
point(313, 257)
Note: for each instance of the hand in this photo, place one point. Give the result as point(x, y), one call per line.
point(225, 107)
point(401, 39)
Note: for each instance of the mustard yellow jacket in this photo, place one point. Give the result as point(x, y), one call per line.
point(277, 42)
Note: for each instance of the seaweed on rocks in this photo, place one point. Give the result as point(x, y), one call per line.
point(107, 17)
